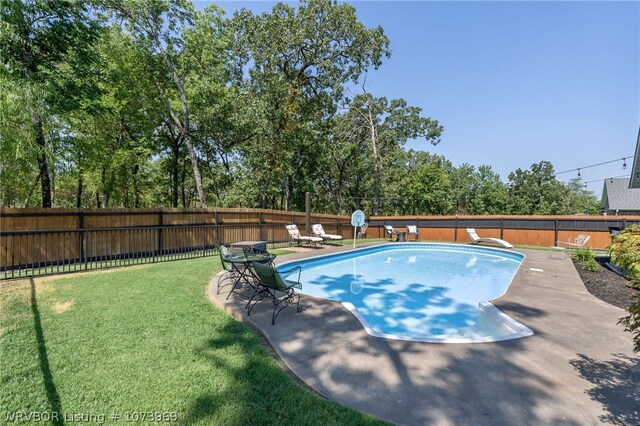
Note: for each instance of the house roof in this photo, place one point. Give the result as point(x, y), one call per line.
point(619, 195)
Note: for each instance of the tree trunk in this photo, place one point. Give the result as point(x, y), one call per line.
point(105, 192)
point(79, 192)
point(196, 170)
point(186, 131)
point(289, 199)
point(175, 174)
point(339, 192)
point(376, 164)
point(183, 189)
point(136, 190)
point(43, 164)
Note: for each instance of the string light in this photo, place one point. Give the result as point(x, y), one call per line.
point(610, 179)
point(623, 159)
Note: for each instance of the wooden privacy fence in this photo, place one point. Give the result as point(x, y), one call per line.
point(43, 241)
point(524, 230)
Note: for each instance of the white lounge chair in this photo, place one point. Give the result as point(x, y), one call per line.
point(318, 231)
point(294, 235)
point(475, 239)
point(561, 246)
point(388, 229)
point(413, 230)
point(579, 242)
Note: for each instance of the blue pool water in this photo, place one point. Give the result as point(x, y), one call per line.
point(421, 292)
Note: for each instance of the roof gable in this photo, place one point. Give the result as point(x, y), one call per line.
point(619, 196)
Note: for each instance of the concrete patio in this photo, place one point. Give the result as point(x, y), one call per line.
point(578, 368)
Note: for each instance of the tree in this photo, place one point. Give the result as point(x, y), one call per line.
point(579, 200)
point(342, 158)
point(491, 194)
point(423, 186)
point(18, 162)
point(536, 191)
point(114, 133)
point(388, 125)
point(160, 27)
point(464, 188)
point(47, 47)
point(298, 61)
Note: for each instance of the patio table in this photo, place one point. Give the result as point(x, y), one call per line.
point(255, 246)
point(557, 249)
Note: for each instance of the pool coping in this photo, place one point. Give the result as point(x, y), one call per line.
point(544, 378)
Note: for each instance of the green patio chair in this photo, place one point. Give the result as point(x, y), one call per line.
point(272, 286)
point(230, 275)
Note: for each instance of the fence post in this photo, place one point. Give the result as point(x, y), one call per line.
point(81, 237)
point(455, 229)
point(555, 231)
point(307, 213)
point(501, 227)
point(216, 233)
point(260, 225)
point(161, 226)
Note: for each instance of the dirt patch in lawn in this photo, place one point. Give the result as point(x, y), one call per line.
point(63, 307)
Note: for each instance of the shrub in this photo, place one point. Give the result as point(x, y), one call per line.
point(632, 323)
point(625, 252)
point(587, 258)
point(591, 265)
point(583, 254)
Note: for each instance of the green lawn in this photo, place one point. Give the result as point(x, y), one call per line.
point(143, 339)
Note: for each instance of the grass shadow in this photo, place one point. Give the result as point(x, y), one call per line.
point(47, 377)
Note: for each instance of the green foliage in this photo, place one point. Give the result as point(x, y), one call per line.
point(147, 103)
point(537, 191)
point(297, 74)
point(588, 259)
point(625, 251)
point(591, 265)
point(632, 323)
point(583, 255)
point(46, 53)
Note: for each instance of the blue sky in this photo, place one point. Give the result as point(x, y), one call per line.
point(514, 83)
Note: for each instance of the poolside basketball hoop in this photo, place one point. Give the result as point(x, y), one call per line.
point(357, 219)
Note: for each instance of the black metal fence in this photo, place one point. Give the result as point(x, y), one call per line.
point(40, 252)
point(46, 241)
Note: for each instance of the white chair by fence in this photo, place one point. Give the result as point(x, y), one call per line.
point(295, 235)
point(475, 239)
point(318, 231)
point(413, 230)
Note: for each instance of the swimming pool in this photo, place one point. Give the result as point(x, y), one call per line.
point(420, 291)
